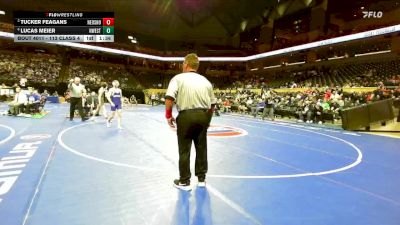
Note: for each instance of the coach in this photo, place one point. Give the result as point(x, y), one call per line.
point(195, 101)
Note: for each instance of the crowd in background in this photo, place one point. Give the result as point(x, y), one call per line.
point(93, 74)
point(311, 106)
point(35, 67)
point(45, 68)
point(370, 74)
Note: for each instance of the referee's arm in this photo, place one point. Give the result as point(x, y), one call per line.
point(213, 103)
point(169, 101)
point(70, 84)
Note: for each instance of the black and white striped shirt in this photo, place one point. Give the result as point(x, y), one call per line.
point(191, 91)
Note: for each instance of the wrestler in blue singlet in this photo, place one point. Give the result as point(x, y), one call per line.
point(116, 99)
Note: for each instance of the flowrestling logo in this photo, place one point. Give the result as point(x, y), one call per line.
point(372, 14)
point(225, 131)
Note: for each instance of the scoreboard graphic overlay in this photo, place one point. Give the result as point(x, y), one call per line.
point(63, 26)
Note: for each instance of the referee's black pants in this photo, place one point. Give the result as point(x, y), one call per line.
point(75, 103)
point(192, 126)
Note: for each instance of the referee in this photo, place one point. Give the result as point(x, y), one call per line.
point(195, 101)
point(77, 89)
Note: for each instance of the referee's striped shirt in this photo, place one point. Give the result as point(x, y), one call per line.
point(191, 91)
point(77, 90)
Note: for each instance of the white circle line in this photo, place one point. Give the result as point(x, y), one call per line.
point(12, 134)
point(61, 142)
point(355, 163)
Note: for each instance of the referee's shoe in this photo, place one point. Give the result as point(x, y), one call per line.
point(183, 186)
point(202, 183)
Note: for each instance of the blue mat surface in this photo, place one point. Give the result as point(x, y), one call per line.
point(259, 173)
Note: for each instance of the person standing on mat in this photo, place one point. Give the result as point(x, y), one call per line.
point(195, 101)
point(77, 89)
point(115, 99)
point(101, 100)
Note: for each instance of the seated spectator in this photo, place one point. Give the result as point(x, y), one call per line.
point(319, 112)
point(335, 110)
point(259, 104)
point(218, 106)
point(306, 109)
point(19, 102)
point(226, 106)
point(33, 101)
point(269, 108)
point(250, 103)
point(327, 95)
point(242, 108)
point(334, 96)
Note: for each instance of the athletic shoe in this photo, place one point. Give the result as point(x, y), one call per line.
point(84, 119)
point(320, 122)
point(201, 184)
point(183, 186)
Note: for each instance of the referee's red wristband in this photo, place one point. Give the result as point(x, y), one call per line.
point(168, 113)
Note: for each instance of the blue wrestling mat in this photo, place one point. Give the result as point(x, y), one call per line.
point(57, 172)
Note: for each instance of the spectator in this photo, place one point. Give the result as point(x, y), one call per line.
point(319, 112)
point(226, 106)
point(269, 107)
point(33, 101)
point(19, 102)
point(153, 98)
point(306, 108)
point(257, 107)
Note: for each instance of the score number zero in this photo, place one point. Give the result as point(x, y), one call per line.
point(108, 25)
point(108, 21)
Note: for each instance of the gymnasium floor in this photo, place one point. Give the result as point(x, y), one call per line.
point(56, 172)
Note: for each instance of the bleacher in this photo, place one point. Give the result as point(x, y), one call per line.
point(361, 75)
point(36, 67)
point(93, 73)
